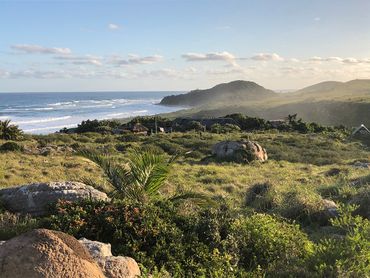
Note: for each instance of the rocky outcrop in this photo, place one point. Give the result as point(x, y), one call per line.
point(329, 209)
point(46, 253)
point(112, 266)
point(239, 151)
point(35, 198)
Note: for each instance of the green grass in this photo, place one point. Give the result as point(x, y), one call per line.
point(295, 173)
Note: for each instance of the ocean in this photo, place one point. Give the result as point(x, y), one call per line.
point(42, 113)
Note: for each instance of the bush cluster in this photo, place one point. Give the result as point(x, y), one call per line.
point(9, 131)
point(216, 242)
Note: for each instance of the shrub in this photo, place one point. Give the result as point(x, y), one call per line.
point(265, 241)
point(104, 127)
point(11, 147)
point(154, 235)
point(260, 196)
point(9, 131)
point(217, 128)
point(347, 254)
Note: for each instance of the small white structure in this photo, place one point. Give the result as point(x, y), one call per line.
point(362, 130)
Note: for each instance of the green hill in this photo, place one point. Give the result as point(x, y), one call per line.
point(233, 92)
point(329, 103)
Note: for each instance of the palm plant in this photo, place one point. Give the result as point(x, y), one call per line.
point(9, 131)
point(141, 178)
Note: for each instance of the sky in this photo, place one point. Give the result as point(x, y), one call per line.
point(55, 46)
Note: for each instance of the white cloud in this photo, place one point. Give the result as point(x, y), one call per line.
point(348, 60)
point(212, 56)
point(134, 59)
point(81, 60)
point(267, 57)
point(70, 73)
point(294, 60)
point(317, 19)
point(38, 49)
point(113, 26)
point(351, 61)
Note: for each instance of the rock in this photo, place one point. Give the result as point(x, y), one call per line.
point(46, 253)
point(112, 266)
point(2, 242)
point(34, 198)
point(330, 208)
point(120, 267)
point(361, 165)
point(362, 201)
point(334, 172)
point(97, 249)
point(240, 151)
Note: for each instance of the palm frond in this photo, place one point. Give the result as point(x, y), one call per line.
point(148, 170)
point(117, 176)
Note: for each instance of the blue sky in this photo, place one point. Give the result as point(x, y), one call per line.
point(180, 45)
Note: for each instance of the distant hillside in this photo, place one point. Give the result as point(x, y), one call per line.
point(233, 92)
point(333, 90)
point(323, 86)
point(329, 103)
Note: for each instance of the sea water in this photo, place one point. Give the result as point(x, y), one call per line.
point(42, 113)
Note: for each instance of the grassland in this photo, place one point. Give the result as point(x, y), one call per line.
point(297, 162)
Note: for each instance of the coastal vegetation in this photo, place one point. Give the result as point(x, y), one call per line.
point(234, 220)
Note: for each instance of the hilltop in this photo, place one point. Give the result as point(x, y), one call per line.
point(232, 92)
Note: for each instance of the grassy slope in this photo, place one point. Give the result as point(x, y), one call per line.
point(297, 164)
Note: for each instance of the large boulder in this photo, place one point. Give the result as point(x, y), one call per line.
point(240, 151)
point(34, 198)
point(46, 253)
point(112, 266)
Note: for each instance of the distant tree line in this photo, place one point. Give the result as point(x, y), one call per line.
point(240, 121)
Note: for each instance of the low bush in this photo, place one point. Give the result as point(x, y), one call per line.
point(216, 242)
point(347, 253)
point(11, 147)
point(267, 242)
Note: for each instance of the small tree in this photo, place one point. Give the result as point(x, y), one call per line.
point(141, 178)
point(9, 131)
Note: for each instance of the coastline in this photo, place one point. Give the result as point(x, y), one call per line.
point(40, 113)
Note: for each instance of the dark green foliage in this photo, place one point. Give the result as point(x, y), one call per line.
point(11, 147)
point(265, 241)
point(216, 243)
point(104, 127)
point(249, 123)
point(9, 131)
point(154, 235)
point(260, 197)
point(347, 253)
point(218, 128)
